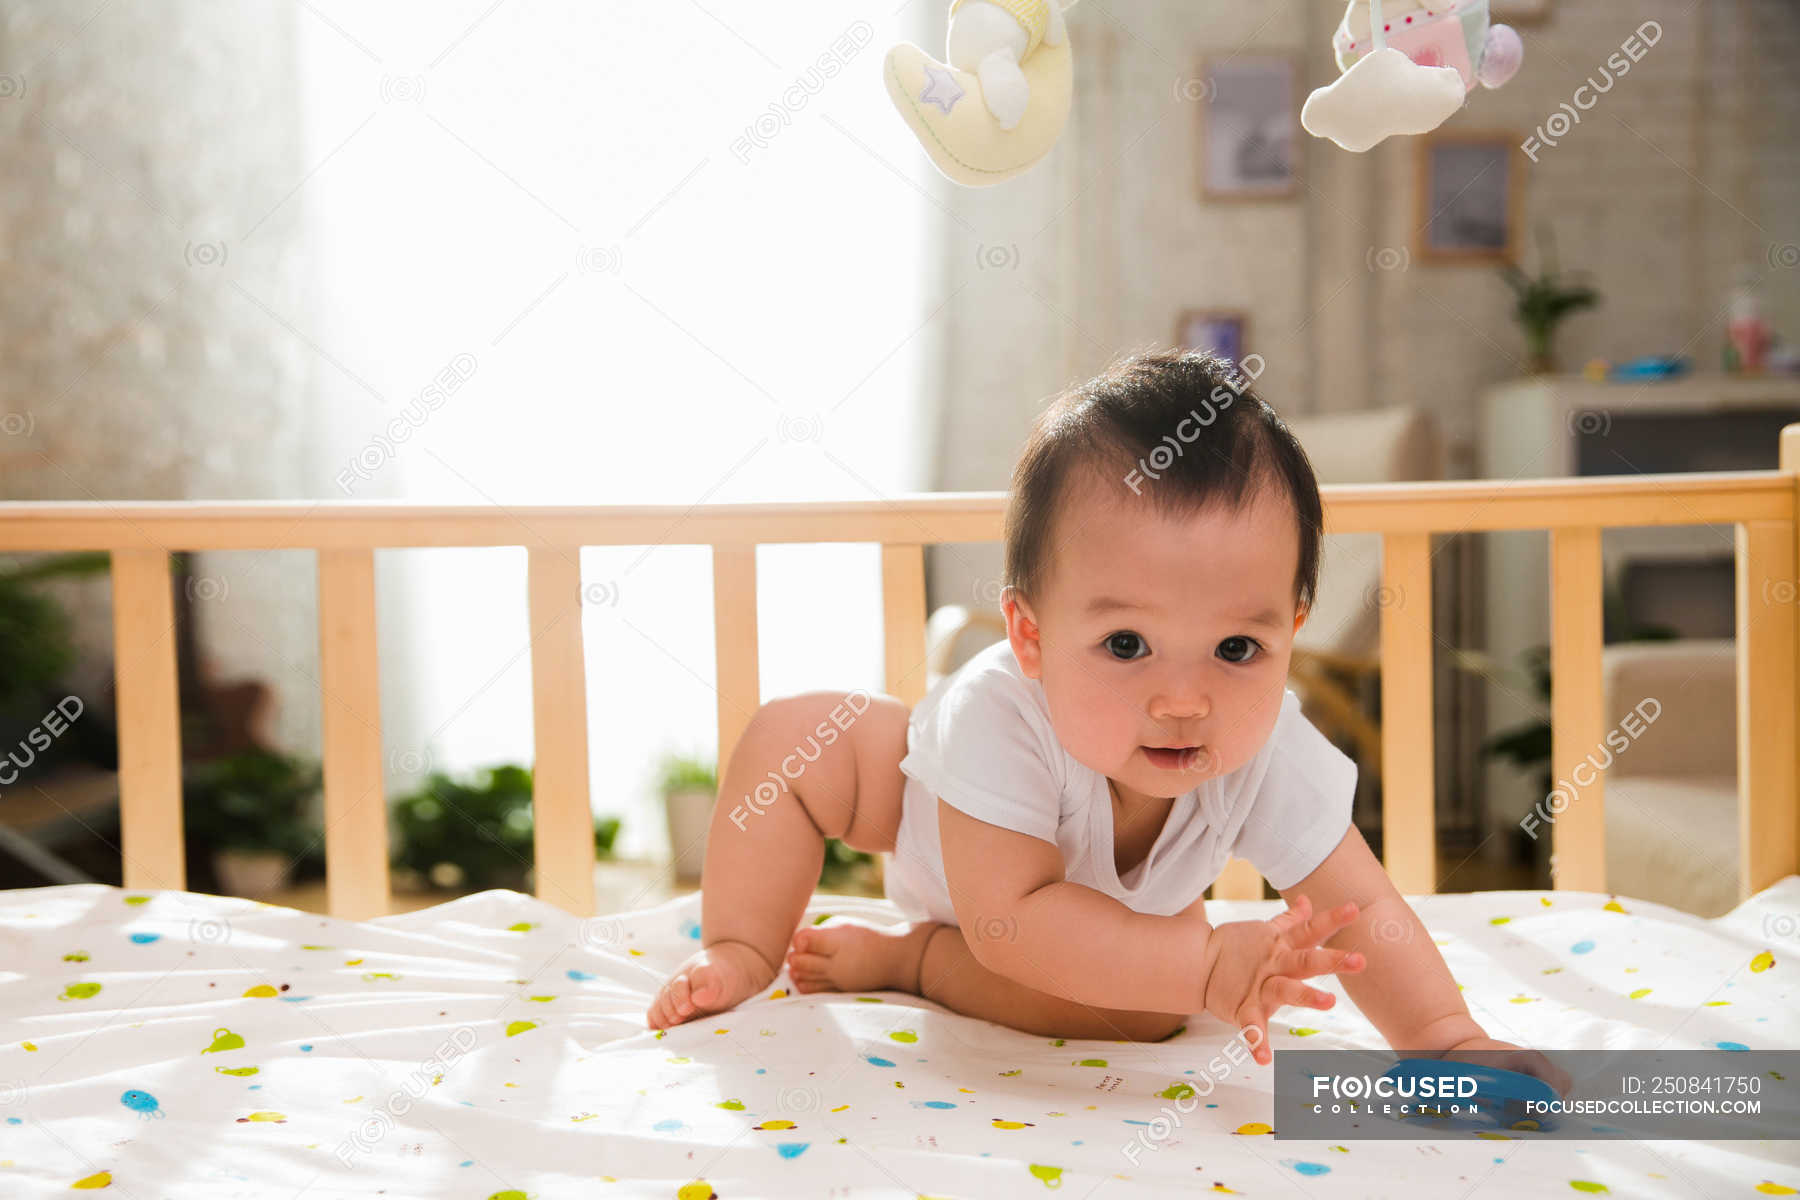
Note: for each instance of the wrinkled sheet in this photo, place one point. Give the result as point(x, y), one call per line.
point(169, 1044)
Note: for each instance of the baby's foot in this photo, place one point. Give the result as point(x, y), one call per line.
point(853, 957)
point(722, 976)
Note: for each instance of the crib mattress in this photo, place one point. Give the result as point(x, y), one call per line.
point(171, 1044)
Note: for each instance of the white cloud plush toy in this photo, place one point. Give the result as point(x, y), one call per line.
point(1407, 66)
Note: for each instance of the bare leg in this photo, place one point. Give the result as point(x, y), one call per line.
point(934, 961)
point(808, 767)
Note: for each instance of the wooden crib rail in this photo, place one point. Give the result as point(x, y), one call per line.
point(141, 536)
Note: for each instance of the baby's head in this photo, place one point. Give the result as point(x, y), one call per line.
point(1162, 548)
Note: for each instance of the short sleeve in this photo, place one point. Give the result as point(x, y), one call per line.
point(982, 748)
point(1298, 795)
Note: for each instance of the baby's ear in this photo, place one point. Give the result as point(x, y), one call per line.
point(1022, 632)
point(1299, 620)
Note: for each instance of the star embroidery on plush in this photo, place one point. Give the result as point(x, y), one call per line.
point(941, 88)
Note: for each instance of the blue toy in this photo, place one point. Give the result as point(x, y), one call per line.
point(1500, 1095)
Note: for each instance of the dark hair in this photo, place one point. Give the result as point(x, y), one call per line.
point(1128, 424)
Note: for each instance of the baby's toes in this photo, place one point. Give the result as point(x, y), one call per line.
point(812, 966)
point(706, 988)
point(678, 993)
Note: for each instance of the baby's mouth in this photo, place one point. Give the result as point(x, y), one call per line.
point(1178, 758)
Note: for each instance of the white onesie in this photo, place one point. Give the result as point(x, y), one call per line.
point(982, 740)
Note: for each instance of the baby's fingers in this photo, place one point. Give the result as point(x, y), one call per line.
point(1325, 924)
point(1318, 960)
point(1279, 990)
point(1251, 1017)
point(1294, 919)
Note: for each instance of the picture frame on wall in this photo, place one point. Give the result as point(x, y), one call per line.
point(1250, 127)
point(1469, 197)
point(1226, 332)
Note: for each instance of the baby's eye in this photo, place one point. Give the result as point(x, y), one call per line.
point(1126, 646)
point(1232, 647)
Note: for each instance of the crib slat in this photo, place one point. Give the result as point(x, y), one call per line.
point(1408, 769)
point(148, 704)
point(1768, 827)
point(903, 620)
point(562, 814)
point(734, 636)
point(1577, 712)
point(356, 841)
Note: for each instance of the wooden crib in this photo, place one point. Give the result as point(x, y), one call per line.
point(141, 536)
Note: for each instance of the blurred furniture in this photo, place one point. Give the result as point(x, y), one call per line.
point(954, 633)
point(1554, 426)
point(1671, 793)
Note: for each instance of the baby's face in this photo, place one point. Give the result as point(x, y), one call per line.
point(1156, 632)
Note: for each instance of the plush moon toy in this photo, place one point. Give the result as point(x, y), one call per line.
point(1000, 102)
point(1407, 66)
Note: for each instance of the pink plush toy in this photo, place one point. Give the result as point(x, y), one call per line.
point(1407, 66)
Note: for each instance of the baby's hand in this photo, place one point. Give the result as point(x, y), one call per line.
point(1488, 1052)
point(1255, 967)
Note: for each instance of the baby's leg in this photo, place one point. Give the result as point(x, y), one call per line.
point(934, 961)
point(765, 847)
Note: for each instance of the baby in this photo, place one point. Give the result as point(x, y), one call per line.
point(1056, 808)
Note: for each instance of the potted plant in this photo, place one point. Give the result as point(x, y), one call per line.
point(252, 813)
point(688, 786)
point(1542, 302)
point(475, 834)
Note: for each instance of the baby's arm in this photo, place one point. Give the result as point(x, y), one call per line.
point(1406, 992)
point(1024, 921)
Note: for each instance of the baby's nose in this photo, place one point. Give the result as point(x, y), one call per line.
point(1181, 706)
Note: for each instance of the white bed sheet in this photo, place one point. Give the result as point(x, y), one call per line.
point(495, 1046)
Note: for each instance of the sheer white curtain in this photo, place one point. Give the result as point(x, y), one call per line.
point(667, 253)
